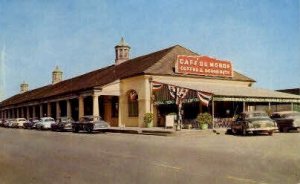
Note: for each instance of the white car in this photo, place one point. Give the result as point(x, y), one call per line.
point(20, 121)
point(44, 123)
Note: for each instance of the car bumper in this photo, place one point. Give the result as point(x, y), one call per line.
point(262, 129)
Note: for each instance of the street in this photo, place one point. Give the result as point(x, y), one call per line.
point(28, 156)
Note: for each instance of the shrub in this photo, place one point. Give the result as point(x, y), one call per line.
point(204, 118)
point(148, 118)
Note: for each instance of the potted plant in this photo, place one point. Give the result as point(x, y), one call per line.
point(204, 120)
point(148, 119)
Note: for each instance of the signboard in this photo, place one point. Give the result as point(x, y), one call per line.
point(203, 65)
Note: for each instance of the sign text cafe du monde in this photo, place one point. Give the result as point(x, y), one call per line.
point(203, 65)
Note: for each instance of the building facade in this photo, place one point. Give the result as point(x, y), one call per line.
point(123, 92)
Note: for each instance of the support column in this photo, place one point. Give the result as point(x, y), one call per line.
point(244, 106)
point(48, 109)
point(18, 113)
point(41, 110)
point(69, 110)
point(57, 110)
point(13, 113)
point(95, 106)
point(213, 112)
point(33, 112)
point(80, 106)
point(292, 106)
point(27, 112)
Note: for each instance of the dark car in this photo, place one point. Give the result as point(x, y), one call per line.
point(90, 124)
point(287, 120)
point(254, 122)
point(62, 124)
point(30, 124)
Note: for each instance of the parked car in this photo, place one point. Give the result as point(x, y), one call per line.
point(90, 124)
point(254, 122)
point(287, 120)
point(20, 122)
point(12, 123)
point(44, 123)
point(62, 124)
point(30, 124)
point(6, 123)
point(2, 122)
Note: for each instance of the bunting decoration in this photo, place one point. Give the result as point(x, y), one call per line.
point(171, 94)
point(156, 86)
point(204, 97)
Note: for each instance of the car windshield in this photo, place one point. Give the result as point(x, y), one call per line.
point(90, 118)
point(257, 115)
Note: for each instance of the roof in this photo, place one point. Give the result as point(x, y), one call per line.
point(226, 90)
point(295, 91)
point(157, 63)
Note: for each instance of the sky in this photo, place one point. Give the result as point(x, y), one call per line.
point(260, 37)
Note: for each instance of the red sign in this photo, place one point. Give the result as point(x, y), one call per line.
point(203, 65)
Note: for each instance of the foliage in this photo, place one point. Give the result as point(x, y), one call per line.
point(148, 118)
point(204, 118)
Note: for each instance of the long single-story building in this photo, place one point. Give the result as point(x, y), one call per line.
point(158, 82)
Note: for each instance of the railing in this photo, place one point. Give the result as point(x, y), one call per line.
point(222, 122)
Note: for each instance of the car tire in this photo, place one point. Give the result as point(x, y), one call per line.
point(270, 133)
point(75, 130)
point(89, 129)
point(244, 132)
point(280, 129)
point(233, 131)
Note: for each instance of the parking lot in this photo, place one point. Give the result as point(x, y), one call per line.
point(28, 156)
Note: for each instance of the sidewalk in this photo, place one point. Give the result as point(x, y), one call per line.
point(165, 131)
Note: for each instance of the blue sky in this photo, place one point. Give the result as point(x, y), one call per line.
point(260, 37)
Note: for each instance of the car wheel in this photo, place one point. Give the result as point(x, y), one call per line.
point(280, 129)
point(244, 132)
point(270, 133)
point(89, 129)
point(233, 131)
point(75, 129)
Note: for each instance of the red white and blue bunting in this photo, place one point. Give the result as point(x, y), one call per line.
point(168, 94)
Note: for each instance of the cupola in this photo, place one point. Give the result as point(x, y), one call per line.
point(24, 87)
point(56, 75)
point(122, 52)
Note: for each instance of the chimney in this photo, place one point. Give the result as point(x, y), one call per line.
point(56, 75)
point(122, 52)
point(23, 87)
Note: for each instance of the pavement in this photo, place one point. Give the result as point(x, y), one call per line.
point(192, 156)
point(166, 131)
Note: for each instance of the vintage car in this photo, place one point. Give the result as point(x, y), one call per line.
point(12, 123)
point(287, 120)
point(6, 123)
point(30, 124)
point(44, 123)
point(254, 122)
point(20, 122)
point(62, 124)
point(2, 122)
point(90, 124)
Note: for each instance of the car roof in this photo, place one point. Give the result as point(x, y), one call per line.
point(285, 112)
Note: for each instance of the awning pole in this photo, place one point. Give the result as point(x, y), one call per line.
point(213, 112)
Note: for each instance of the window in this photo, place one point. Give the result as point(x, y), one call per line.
point(133, 104)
